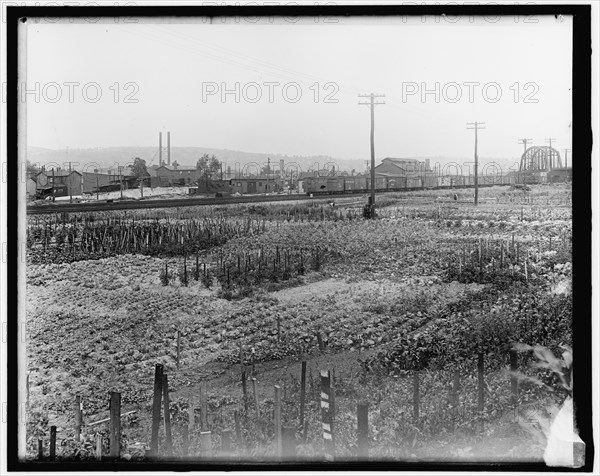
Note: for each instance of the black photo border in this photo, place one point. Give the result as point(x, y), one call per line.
point(581, 149)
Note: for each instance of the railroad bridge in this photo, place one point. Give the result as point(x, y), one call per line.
point(540, 159)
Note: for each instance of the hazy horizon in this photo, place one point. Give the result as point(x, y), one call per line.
point(94, 85)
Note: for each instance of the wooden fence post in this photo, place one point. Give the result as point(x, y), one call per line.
point(185, 440)
point(362, 414)
point(244, 392)
point(203, 407)
point(327, 416)
point(157, 400)
point(178, 347)
point(416, 396)
point(288, 444)
point(238, 431)
point(277, 421)
point(167, 416)
point(206, 444)
point(256, 406)
point(320, 342)
point(514, 383)
point(115, 424)
point(302, 397)
point(78, 415)
point(98, 447)
point(52, 443)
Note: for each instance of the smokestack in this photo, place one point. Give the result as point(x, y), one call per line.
point(169, 148)
point(160, 148)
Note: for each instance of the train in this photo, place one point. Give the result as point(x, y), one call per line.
point(362, 184)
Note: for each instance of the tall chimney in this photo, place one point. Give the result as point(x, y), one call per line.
point(160, 148)
point(169, 148)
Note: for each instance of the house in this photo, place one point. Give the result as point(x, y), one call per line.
point(170, 175)
point(413, 172)
point(105, 182)
point(62, 182)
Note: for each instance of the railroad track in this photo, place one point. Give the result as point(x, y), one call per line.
point(162, 203)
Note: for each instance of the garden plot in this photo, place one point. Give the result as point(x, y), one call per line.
point(421, 289)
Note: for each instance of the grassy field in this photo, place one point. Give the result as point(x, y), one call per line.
point(417, 293)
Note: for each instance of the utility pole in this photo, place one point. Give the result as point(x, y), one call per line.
point(566, 157)
point(550, 164)
point(53, 186)
point(121, 182)
point(476, 126)
point(97, 183)
point(268, 170)
point(70, 180)
point(372, 103)
point(524, 142)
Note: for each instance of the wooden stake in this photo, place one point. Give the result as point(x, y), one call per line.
point(244, 393)
point(52, 443)
point(278, 328)
point(115, 424)
point(238, 430)
point(362, 414)
point(327, 416)
point(40, 449)
point(178, 347)
point(256, 406)
point(320, 341)
point(78, 415)
point(203, 407)
point(302, 394)
point(98, 447)
point(185, 443)
point(167, 416)
point(158, 373)
point(277, 421)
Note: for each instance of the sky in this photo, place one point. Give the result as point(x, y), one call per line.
point(292, 87)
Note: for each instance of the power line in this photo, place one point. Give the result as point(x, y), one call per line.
point(476, 126)
point(372, 103)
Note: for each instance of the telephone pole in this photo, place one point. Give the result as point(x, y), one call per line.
point(551, 165)
point(566, 156)
point(525, 142)
point(476, 126)
point(372, 103)
point(70, 181)
point(121, 182)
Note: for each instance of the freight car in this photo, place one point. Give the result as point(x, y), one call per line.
point(349, 185)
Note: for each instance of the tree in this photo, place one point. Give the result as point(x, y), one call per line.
point(32, 169)
point(209, 168)
point(138, 168)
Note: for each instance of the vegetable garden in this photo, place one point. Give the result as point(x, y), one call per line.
point(422, 314)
